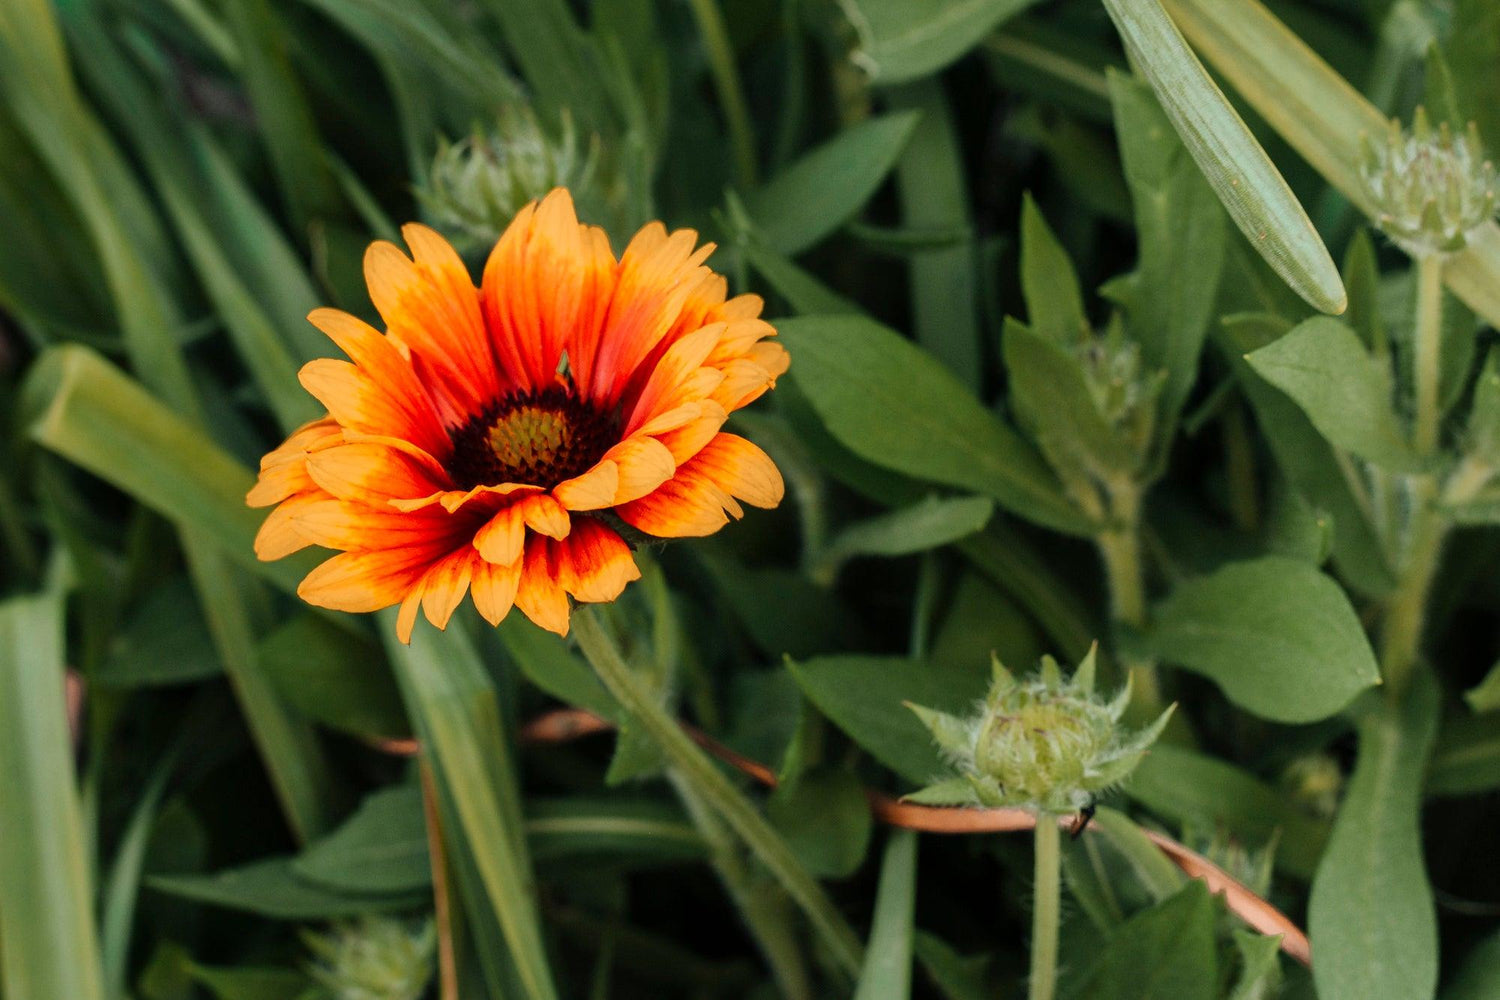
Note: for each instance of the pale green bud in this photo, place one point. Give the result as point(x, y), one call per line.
point(1315, 782)
point(1431, 188)
point(478, 184)
point(1045, 743)
point(376, 958)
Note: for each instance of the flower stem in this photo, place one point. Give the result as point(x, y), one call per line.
point(721, 795)
point(1125, 574)
point(1426, 351)
point(727, 82)
point(1046, 907)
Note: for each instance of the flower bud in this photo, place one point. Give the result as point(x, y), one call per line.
point(1315, 782)
point(1043, 744)
point(478, 184)
point(1431, 188)
point(377, 958)
point(1250, 866)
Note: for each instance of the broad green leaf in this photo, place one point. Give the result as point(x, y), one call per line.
point(825, 819)
point(1181, 234)
point(1466, 760)
point(886, 974)
point(1319, 114)
point(272, 888)
point(1312, 466)
point(865, 696)
point(1371, 914)
point(826, 187)
point(1184, 785)
point(930, 177)
point(1478, 977)
point(453, 706)
point(783, 611)
point(334, 676)
point(47, 932)
point(1166, 951)
point(1260, 966)
point(929, 524)
point(905, 39)
point(957, 977)
point(802, 291)
point(1114, 871)
point(1278, 636)
point(889, 403)
point(1233, 162)
point(1345, 392)
point(164, 642)
point(1054, 302)
point(382, 848)
point(547, 662)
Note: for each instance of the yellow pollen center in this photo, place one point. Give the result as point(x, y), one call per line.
point(529, 436)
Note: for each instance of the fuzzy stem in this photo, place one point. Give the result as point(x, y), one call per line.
point(1426, 352)
point(727, 82)
point(1046, 907)
point(717, 790)
point(1125, 574)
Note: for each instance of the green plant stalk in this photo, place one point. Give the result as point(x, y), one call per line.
point(1125, 575)
point(1046, 908)
point(763, 912)
point(727, 83)
point(1427, 339)
point(716, 789)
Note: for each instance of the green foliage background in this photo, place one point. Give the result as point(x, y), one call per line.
point(1072, 360)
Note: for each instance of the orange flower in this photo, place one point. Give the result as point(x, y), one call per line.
point(491, 440)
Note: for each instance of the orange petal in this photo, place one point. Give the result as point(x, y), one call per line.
point(594, 562)
point(540, 595)
point(277, 482)
point(390, 377)
point(445, 585)
point(406, 618)
point(700, 498)
point(744, 382)
point(367, 581)
point(592, 490)
point(341, 524)
point(742, 469)
point(454, 500)
point(545, 516)
point(686, 441)
point(500, 541)
point(644, 464)
point(369, 470)
point(662, 391)
point(494, 589)
point(365, 406)
point(278, 536)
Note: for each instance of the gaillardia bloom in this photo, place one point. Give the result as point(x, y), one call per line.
point(493, 439)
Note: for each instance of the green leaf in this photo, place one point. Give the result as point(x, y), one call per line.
point(1277, 635)
point(1478, 977)
point(1114, 871)
point(889, 403)
point(1345, 392)
point(1184, 786)
point(930, 177)
point(1233, 162)
point(886, 974)
point(612, 832)
point(957, 977)
point(1320, 115)
point(1054, 302)
point(1181, 234)
point(47, 930)
point(865, 696)
point(826, 821)
point(334, 676)
point(1371, 915)
point(1166, 951)
point(453, 705)
point(164, 642)
point(1260, 966)
point(905, 39)
point(929, 524)
point(1052, 400)
point(382, 848)
point(826, 187)
point(251, 982)
point(1473, 50)
point(1309, 462)
point(547, 662)
point(272, 888)
point(1485, 696)
point(802, 291)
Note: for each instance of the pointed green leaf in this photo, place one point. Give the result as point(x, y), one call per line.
point(1054, 302)
point(1166, 951)
point(887, 970)
point(905, 39)
point(929, 524)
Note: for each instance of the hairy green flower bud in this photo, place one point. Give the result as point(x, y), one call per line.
point(377, 958)
point(1431, 188)
point(478, 184)
point(1315, 782)
point(1045, 743)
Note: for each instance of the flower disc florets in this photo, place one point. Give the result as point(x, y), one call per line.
point(1431, 188)
point(1043, 744)
point(378, 958)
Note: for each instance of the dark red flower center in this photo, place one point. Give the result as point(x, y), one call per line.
point(541, 437)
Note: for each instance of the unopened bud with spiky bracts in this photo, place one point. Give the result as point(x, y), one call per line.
point(376, 958)
point(1431, 187)
point(1045, 743)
